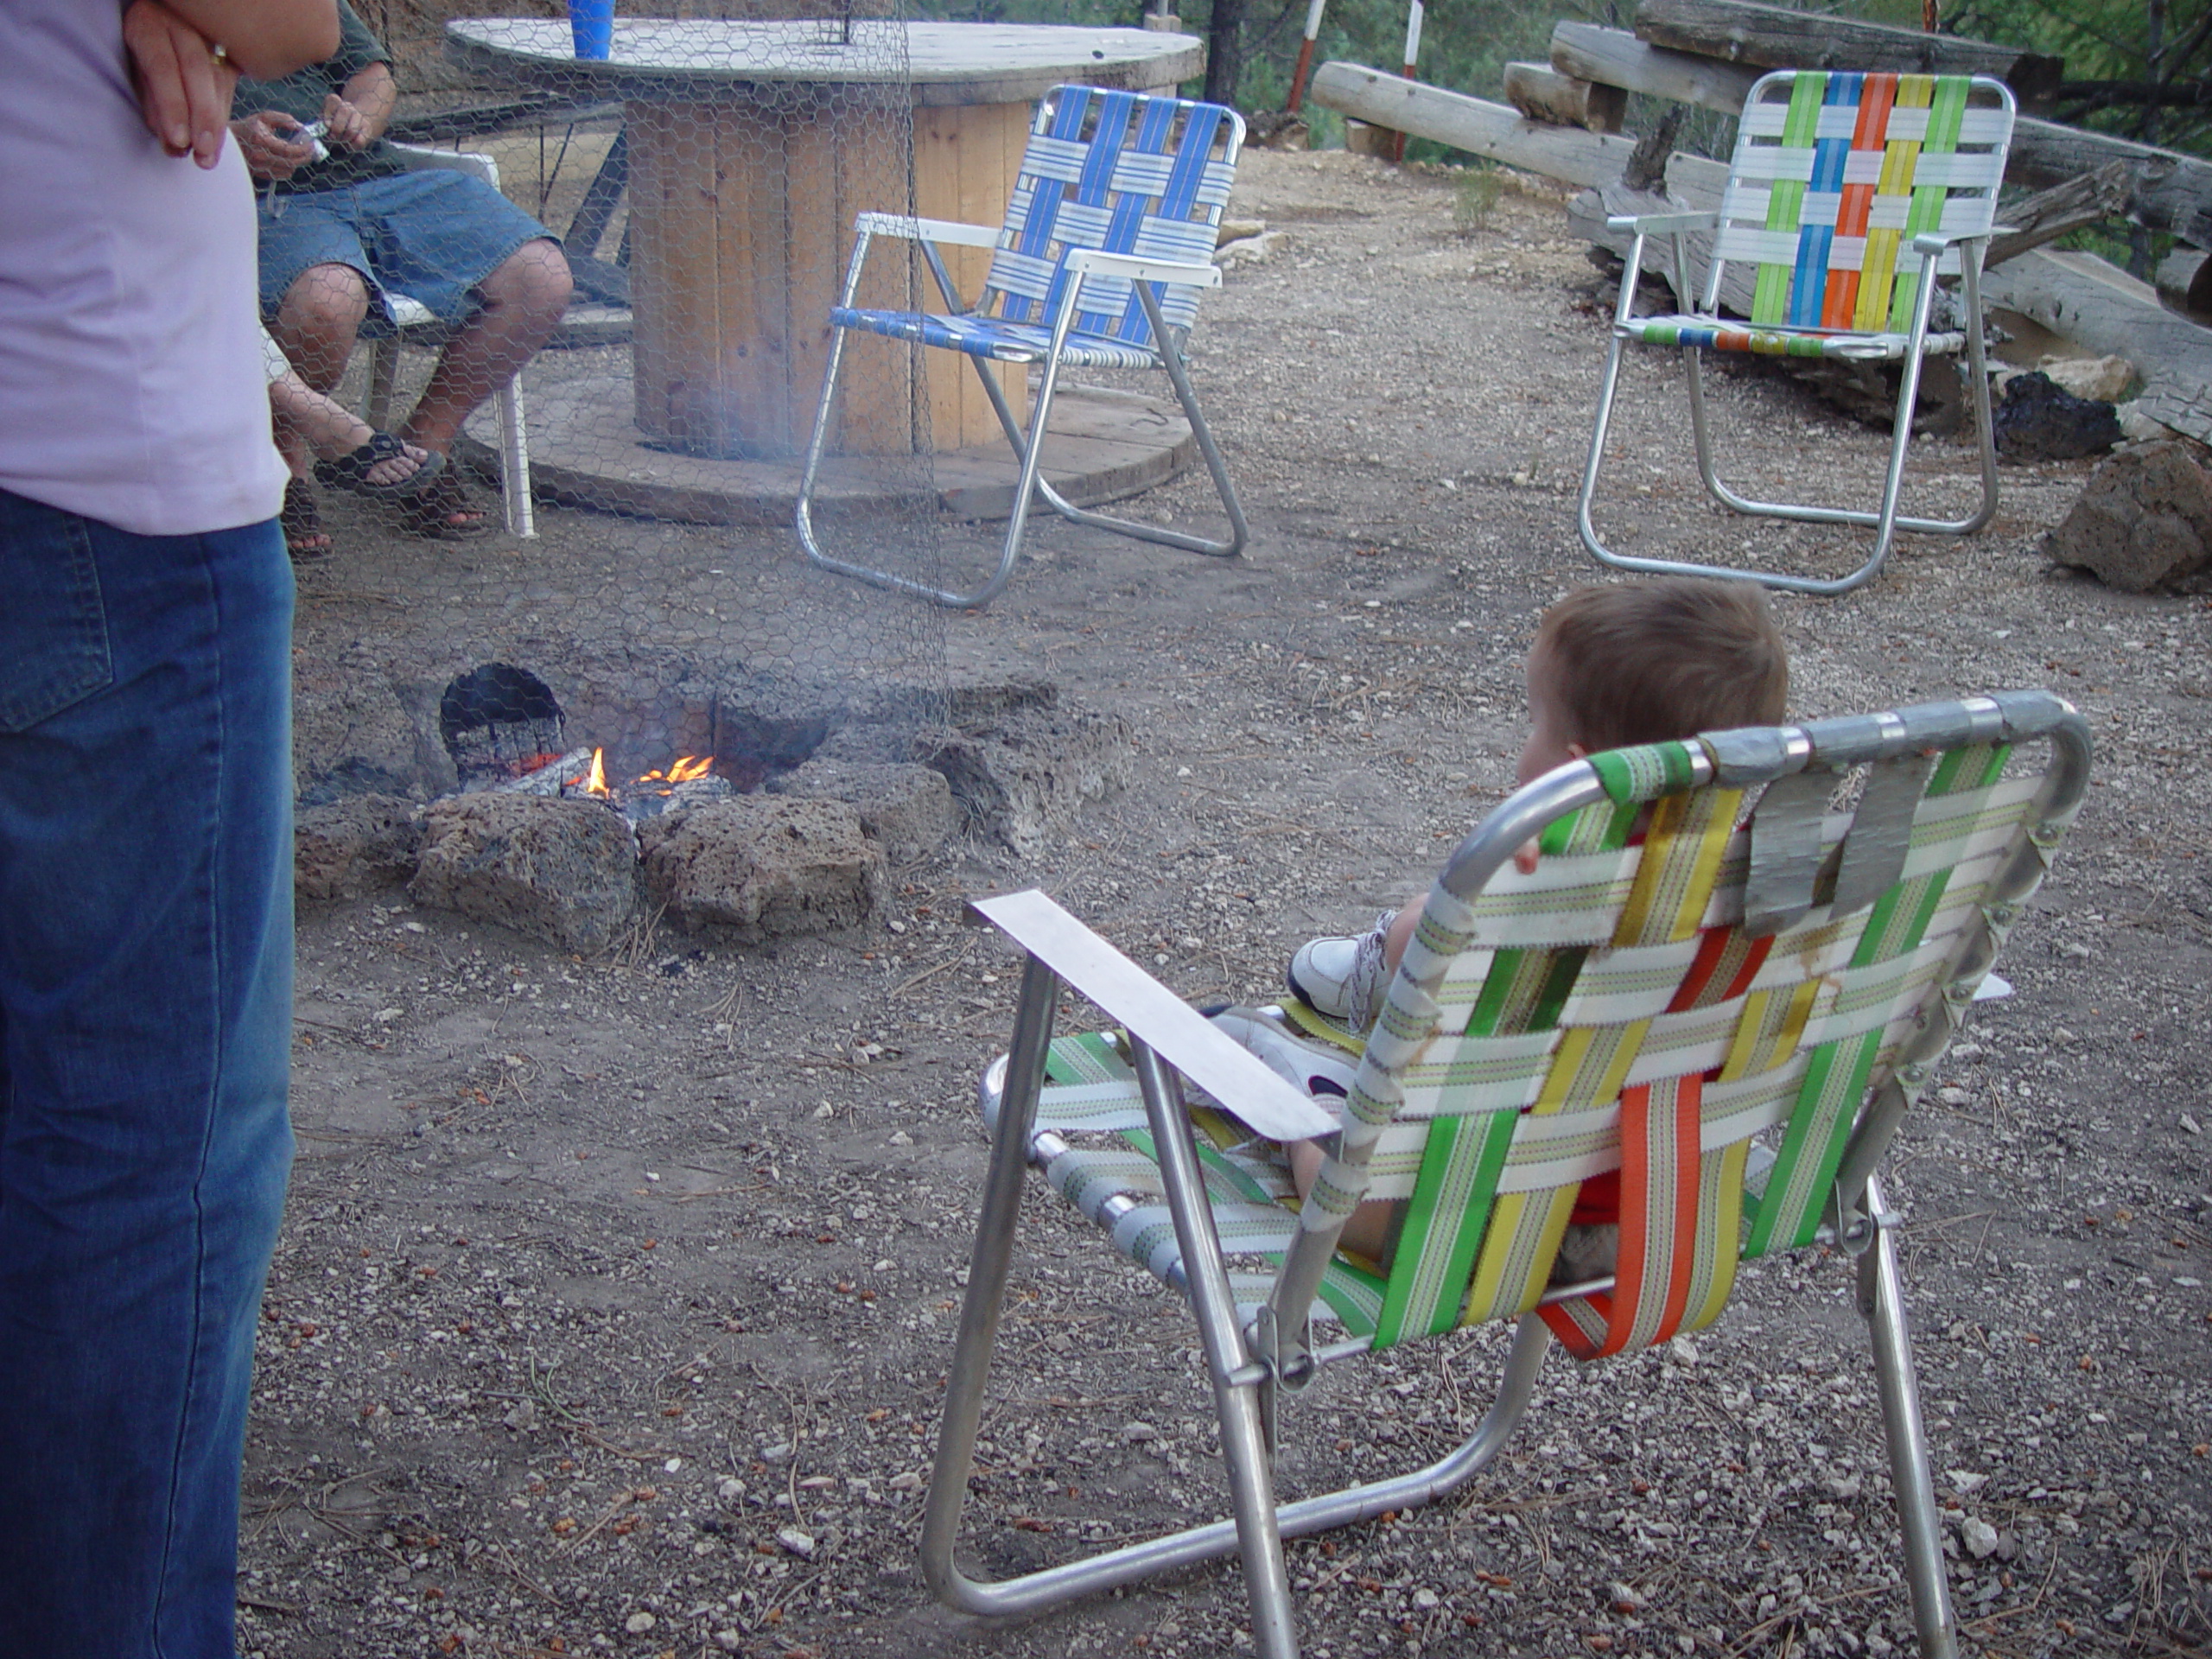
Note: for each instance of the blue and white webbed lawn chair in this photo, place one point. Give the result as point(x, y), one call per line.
point(1107, 241)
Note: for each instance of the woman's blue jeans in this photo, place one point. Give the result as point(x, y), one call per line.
point(145, 1026)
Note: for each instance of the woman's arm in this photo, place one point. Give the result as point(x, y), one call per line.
point(184, 87)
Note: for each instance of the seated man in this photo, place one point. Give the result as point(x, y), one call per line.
point(335, 232)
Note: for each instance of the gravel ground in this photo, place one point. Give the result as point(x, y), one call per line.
point(614, 1303)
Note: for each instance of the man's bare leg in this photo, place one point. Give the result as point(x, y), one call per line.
point(307, 425)
point(521, 304)
point(318, 322)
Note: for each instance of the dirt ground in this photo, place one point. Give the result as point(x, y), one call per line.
point(614, 1298)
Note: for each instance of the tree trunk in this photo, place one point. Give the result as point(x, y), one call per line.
point(1224, 51)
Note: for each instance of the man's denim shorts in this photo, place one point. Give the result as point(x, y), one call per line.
point(432, 235)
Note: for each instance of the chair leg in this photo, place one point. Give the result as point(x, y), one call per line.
point(1178, 375)
point(986, 1278)
point(383, 376)
point(514, 463)
point(1881, 1301)
point(1236, 1380)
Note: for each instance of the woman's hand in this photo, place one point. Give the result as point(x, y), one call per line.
point(184, 89)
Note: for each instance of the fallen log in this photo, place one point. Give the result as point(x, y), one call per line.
point(2184, 280)
point(2167, 191)
point(2049, 215)
point(1543, 94)
point(1614, 57)
point(1737, 32)
point(2098, 306)
point(1473, 124)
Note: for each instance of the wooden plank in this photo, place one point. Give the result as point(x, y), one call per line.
point(1544, 94)
point(2099, 307)
point(1473, 124)
point(875, 404)
point(740, 404)
point(1614, 57)
point(965, 161)
point(1773, 38)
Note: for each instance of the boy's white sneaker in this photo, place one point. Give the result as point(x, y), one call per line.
point(1342, 976)
point(1319, 1069)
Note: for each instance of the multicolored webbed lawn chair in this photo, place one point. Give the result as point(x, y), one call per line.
point(1107, 241)
point(1717, 981)
point(1850, 193)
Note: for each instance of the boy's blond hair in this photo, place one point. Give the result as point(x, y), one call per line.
point(1646, 661)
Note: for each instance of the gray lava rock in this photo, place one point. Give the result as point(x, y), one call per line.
point(347, 848)
point(565, 872)
point(1024, 775)
point(2143, 522)
point(763, 865)
point(908, 808)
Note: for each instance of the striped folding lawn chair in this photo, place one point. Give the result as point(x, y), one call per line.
point(1107, 241)
point(1720, 982)
point(1850, 193)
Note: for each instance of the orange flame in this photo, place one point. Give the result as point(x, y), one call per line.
point(690, 768)
point(595, 781)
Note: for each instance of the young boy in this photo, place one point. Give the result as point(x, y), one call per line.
point(1639, 662)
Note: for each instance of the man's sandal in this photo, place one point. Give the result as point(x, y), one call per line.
point(441, 511)
point(351, 472)
point(305, 538)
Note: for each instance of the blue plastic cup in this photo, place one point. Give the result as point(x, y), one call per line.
point(593, 23)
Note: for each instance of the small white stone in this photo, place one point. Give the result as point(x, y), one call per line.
point(638, 1624)
point(1139, 1431)
point(671, 1465)
point(800, 1544)
point(1978, 1537)
point(900, 1138)
point(1965, 1482)
point(729, 1489)
point(2190, 1124)
point(825, 1109)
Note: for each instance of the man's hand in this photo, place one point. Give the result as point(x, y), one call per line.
point(348, 124)
point(184, 92)
point(274, 144)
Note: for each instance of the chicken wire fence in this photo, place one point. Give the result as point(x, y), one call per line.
point(701, 182)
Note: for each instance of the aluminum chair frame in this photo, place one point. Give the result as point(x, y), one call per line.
point(1252, 1362)
point(1077, 263)
point(412, 319)
point(1934, 251)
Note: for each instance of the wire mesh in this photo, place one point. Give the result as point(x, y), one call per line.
point(644, 245)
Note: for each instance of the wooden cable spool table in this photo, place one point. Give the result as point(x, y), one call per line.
point(752, 145)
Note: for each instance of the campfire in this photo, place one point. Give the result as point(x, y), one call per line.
point(506, 732)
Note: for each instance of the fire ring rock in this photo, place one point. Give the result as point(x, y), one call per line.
point(563, 871)
point(906, 807)
point(2143, 522)
point(758, 866)
point(347, 848)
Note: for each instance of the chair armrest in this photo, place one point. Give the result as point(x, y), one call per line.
point(1179, 1033)
point(1661, 224)
point(418, 158)
point(1096, 261)
point(1931, 242)
point(927, 229)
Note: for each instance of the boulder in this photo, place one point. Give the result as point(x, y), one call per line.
point(763, 865)
point(347, 848)
point(2143, 522)
point(565, 872)
point(1023, 776)
point(907, 808)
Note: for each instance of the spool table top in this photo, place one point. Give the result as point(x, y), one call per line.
point(946, 63)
